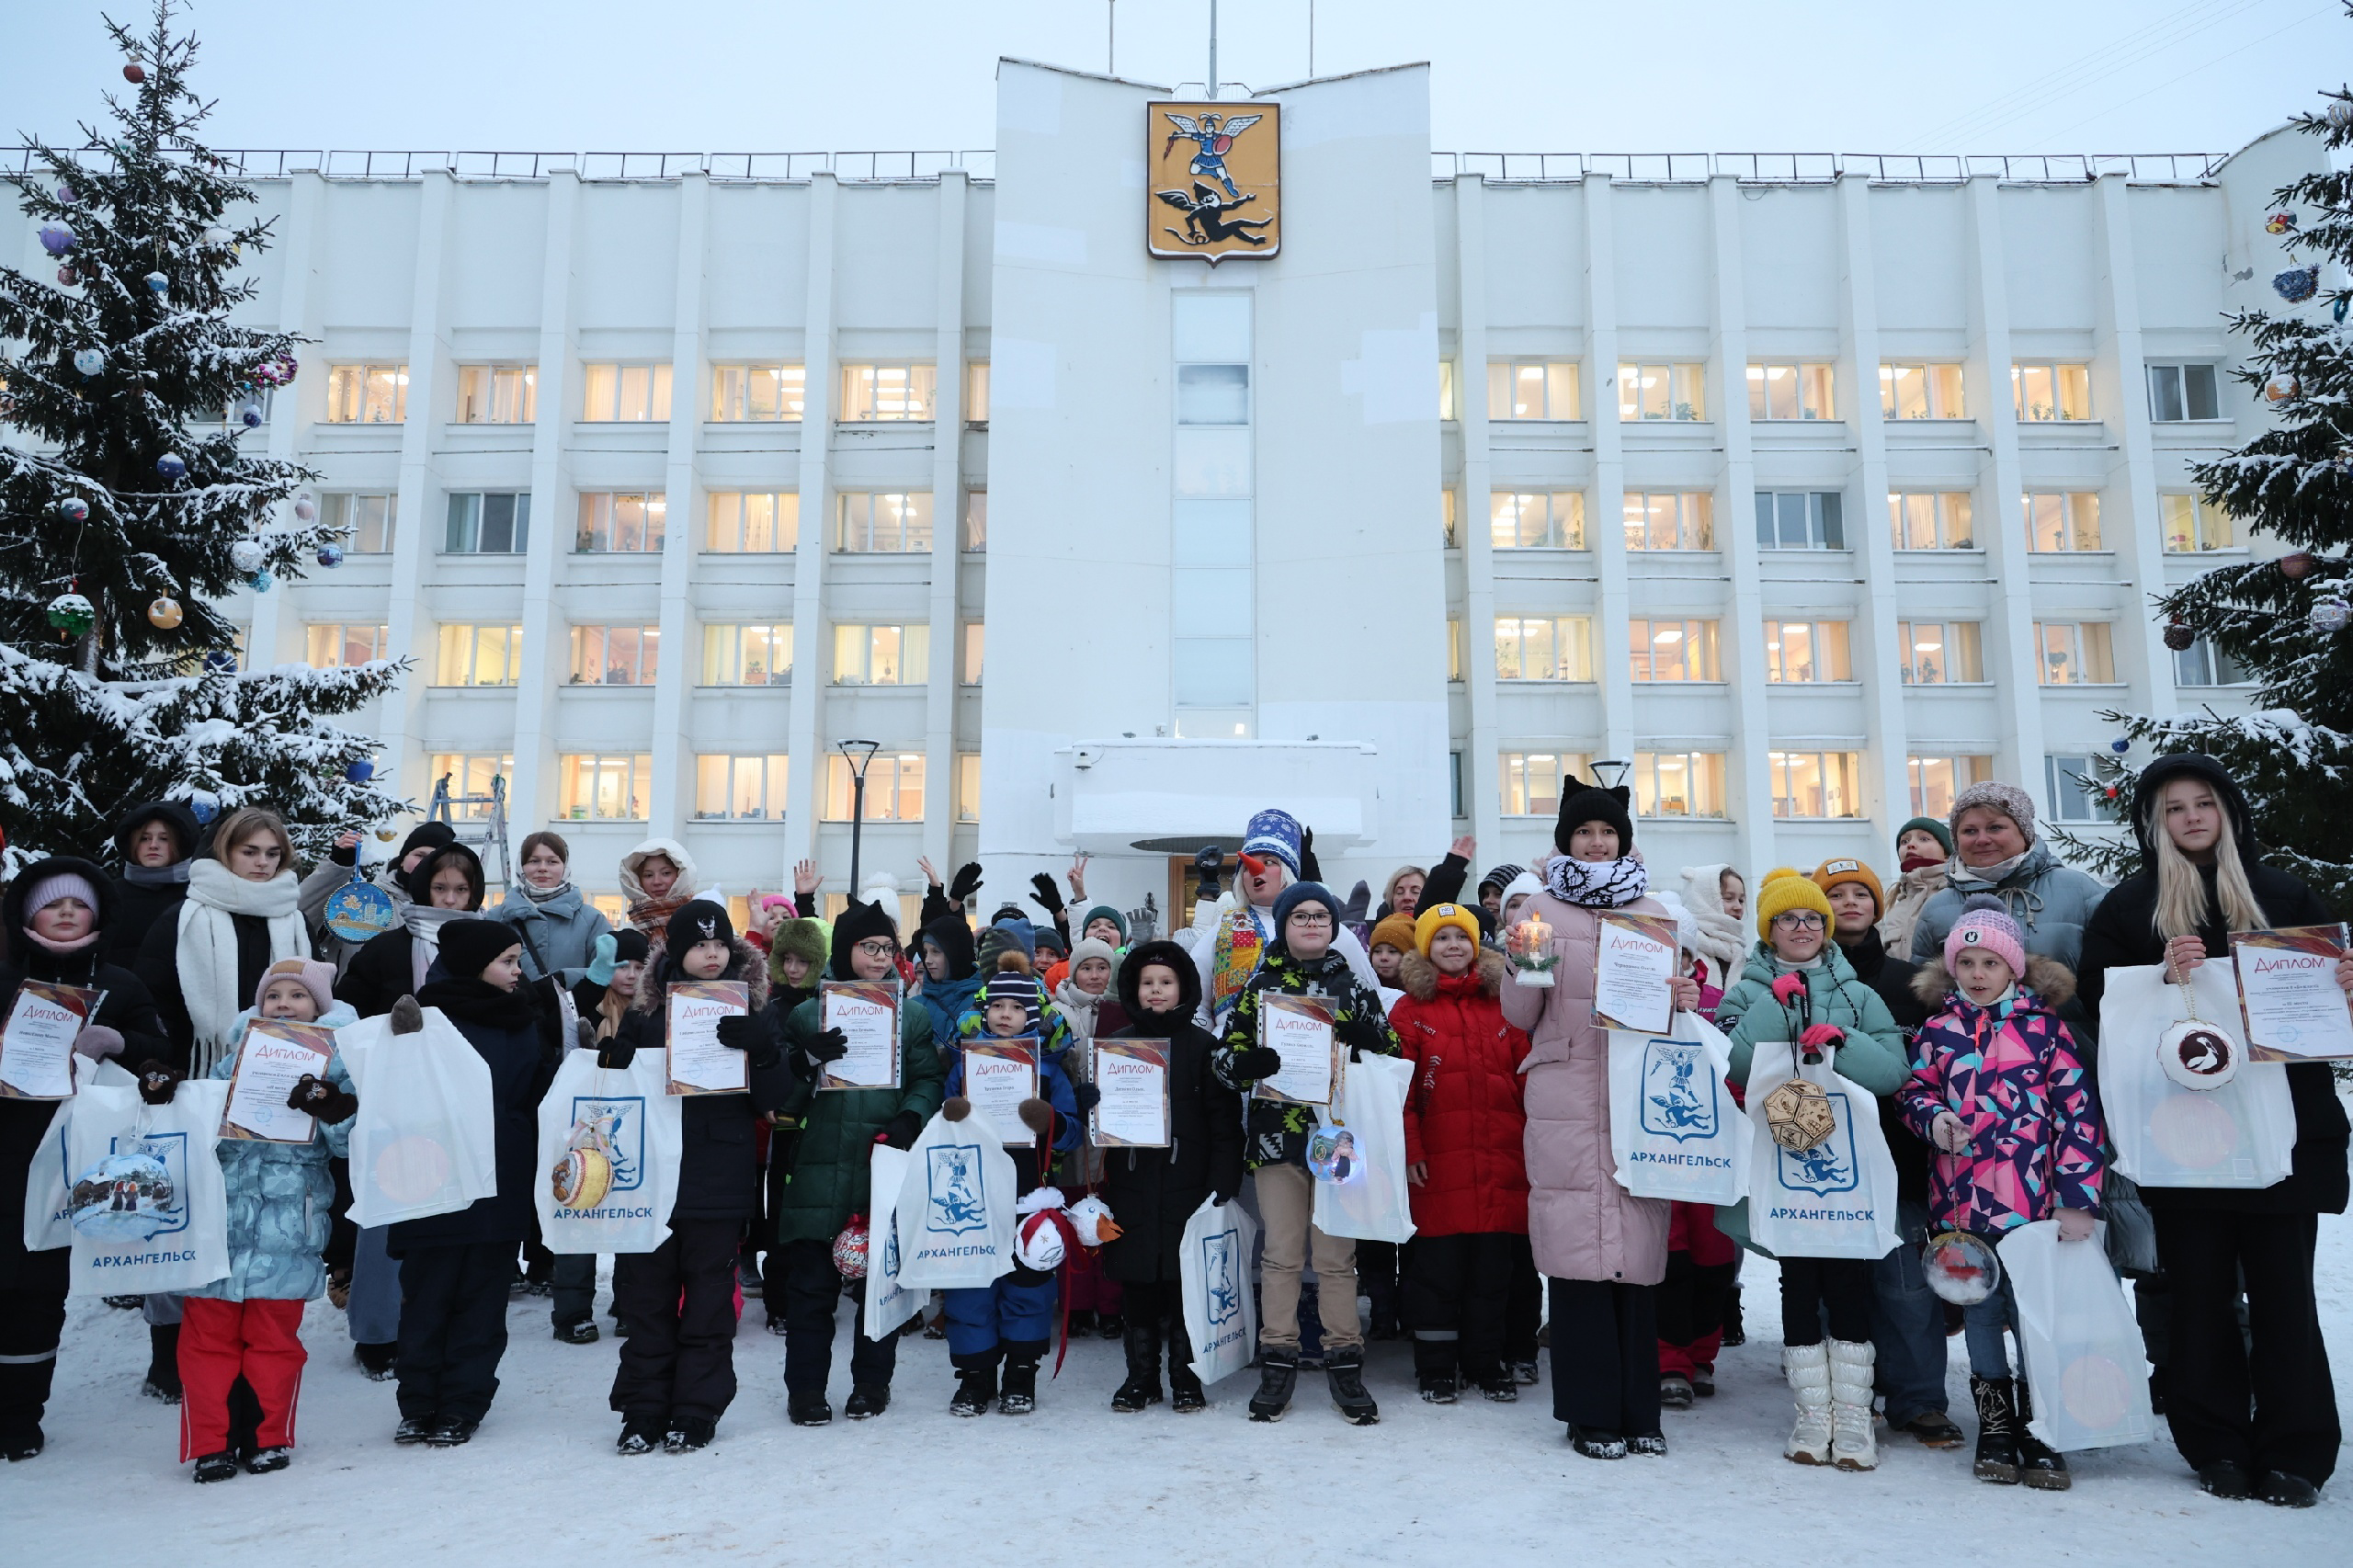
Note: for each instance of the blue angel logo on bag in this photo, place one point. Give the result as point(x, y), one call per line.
point(959, 1200)
point(891, 1255)
point(1829, 1166)
point(1678, 1094)
point(615, 1127)
point(1218, 1271)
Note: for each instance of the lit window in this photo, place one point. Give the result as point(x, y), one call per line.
point(1921, 391)
point(2061, 522)
point(479, 655)
point(1679, 783)
point(976, 391)
point(883, 392)
point(496, 523)
point(975, 637)
point(1673, 650)
point(1536, 519)
point(1531, 781)
point(2074, 798)
point(1802, 651)
point(367, 394)
point(621, 523)
point(330, 647)
point(498, 394)
point(2073, 653)
point(365, 522)
point(1935, 781)
point(1453, 647)
point(976, 522)
point(1662, 391)
point(2045, 392)
point(882, 656)
point(1925, 520)
point(474, 780)
point(625, 394)
point(1789, 391)
point(968, 786)
point(1800, 519)
point(1670, 520)
point(755, 394)
point(1938, 652)
point(739, 789)
point(1446, 390)
point(2202, 664)
point(1533, 389)
point(747, 655)
point(614, 655)
point(607, 787)
point(893, 787)
point(2192, 523)
point(752, 522)
point(2183, 392)
point(1543, 647)
point(884, 523)
point(1814, 783)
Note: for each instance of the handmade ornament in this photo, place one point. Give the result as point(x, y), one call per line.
point(2297, 284)
point(2195, 1053)
point(2299, 565)
point(246, 556)
point(1799, 1115)
point(2340, 115)
point(2281, 391)
point(249, 414)
point(581, 1178)
point(359, 909)
point(2336, 311)
point(330, 554)
point(57, 239)
point(1528, 947)
point(164, 614)
point(2180, 638)
point(134, 73)
point(89, 361)
point(2331, 615)
point(1962, 1267)
point(275, 372)
point(73, 509)
point(849, 1249)
point(1042, 1238)
point(72, 614)
point(220, 662)
point(1091, 1218)
point(305, 509)
point(67, 276)
point(65, 194)
point(2279, 223)
point(158, 284)
point(172, 466)
point(123, 1198)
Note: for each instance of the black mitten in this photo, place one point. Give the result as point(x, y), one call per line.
point(902, 1130)
point(1086, 1096)
point(830, 1046)
point(1208, 862)
point(1255, 1062)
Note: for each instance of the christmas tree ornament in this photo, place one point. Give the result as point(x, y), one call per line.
point(68, 276)
point(849, 1249)
point(2279, 223)
point(1962, 1267)
point(2340, 115)
point(2298, 566)
point(220, 662)
point(158, 284)
point(2121, 744)
point(2331, 615)
point(260, 582)
point(57, 239)
point(360, 772)
point(2297, 284)
point(249, 414)
point(1799, 1115)
point(581, 1178)
point(1091, 1218)
point(89, 361)
point(172, 466)
point(2336, 311)
point(134, 73)
point(72, 614)
point(2281, 391)
point(305, 509)
point(2111, 792)
point(2180, 638)
point(275, 372)
point(126, 1197)
point(65, 194)
point(330, 554)
point(73, 509)
point(246, 556)
point(204, 805)
point(164, 615)
point(2195, 1053)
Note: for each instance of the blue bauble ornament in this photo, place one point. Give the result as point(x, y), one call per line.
point(330, 554)
point(172, 466)
point(73, 509)
point(249, 414)
point(57, 239)
point(158, 284)
point(2298, 284)
point(260, 582)
point(360, 772)
point(205, 804)
point(220, 662)
point(2121, 744)
point(89, 361)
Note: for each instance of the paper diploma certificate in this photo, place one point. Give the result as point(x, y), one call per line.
point(37, 1041)
point(1299, 1029)
point(999, 1075)
point(1132, 1075)
point(271, 1060)
point(2288, 996)
point(699, 1063)
point(1630, 983)
point(867, 1012)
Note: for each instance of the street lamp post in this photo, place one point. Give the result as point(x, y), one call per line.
point(859, 755)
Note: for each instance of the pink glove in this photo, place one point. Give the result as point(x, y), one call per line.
point(1816, 1036)
point(1788, 988)
point(98, 1042)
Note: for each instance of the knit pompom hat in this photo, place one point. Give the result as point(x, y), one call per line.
point(1785, 890)
point(1396, 931)
point(1986, 925)
point(1012, 985)
point(1435, 919)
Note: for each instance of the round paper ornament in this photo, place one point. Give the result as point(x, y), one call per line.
point(1962, 1267)
point(158, 284)
point(850, 1249)
point(67, 276)
point(2195, 1053)
point(57, 239)
point(2299, 565)
point(1331, 1155)
point(246, 556)
point(1042, 1240)
point(134, 73)
point(2279, 223)
point(1799, 1115)
point(359, 909)
point(73, 509)
point(89, 361)
point(2297, 284)
point(305, 509)
point(172, 466)
point(2331, 615)
point(581, 1178)
point(123, 1198)
point(330, 554)
point(72, 614)
point(164, 614)
point(2281, 391)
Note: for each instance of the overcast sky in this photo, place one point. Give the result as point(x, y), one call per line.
point(1563, 76)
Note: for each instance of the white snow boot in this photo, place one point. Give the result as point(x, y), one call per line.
point(1808, 1366)
point(1853, 1445)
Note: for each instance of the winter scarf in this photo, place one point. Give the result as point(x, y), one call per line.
point(1079, 1007)
point(423, 925)
point(1711, 933)
point(1967, 880)
point(550, 895)
point(1596, 884)
point(174, 875)
point(207, 950)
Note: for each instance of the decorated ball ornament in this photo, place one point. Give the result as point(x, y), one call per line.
point(205, 805)
point(89, 361)
point(220, 662)
point(2121, 744)
point(305, 509)
point(2331, 615)
point(134, 73)
point(2198, 1055)
point(249, 414)
point(124, 1197)
point(2281, 391)
point(1799, 1115)
point(1090, 1217)
point(261, 581)
point(164, 614)
point(2299, 565)
point(2180, 638)
point(581, 1178)
point(158, 284)
point(1041, 1240)
point(57, 239)
point(67, 276)
point(246, 556)
point(2279, 223)
point(65, 194)
point(1962, 1267)
point(172, 466)
point(275, 372)
point(2297, 284)
point(330, 554)
point(2340, 115)
point(73, 509)
point(2337, 309)
point(360, 772)
point(73, 614)
point(850, 1248)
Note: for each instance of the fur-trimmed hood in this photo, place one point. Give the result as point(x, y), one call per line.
point(2052, 983)
point(745, 963)
point(1418, 978)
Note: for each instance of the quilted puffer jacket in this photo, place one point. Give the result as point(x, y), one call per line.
point(1463, 1116)
point(281, 1198)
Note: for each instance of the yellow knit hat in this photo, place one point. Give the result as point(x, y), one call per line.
point(1786, 888)
point(1397, 930)
point(1427, 925)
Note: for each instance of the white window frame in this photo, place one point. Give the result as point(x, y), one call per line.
point(1835, 774)
point(1951, 518)
point(2072, 804)
point(1830, 646)
point(728, 521)
point(1963, 768)
point(498, 394)
point(1515, 775)
point(2077, 645)
point(888, 787)
point(1685, 401)
point(2061, 377)
point(475, 506)
point(1810, 385)
point(1825, 524)
point(1703, 774)
point(1571, 659)
point(1559, 394)
point(636, 772)
point(2072, 514)
point(1558, 516)
point(599, 638)
point(868, 398)
point(1644, 637)
point(758, 393)
point(367, 394)
point(767, 772)
point(1694, 520)
point(1962, 656)
point(2205, 522)
point(355, 514)
point(1944, 389)
point(625, 391)
point(882, 522)
point(725, 646)
point(475, 656)
point(337, 636)
point(603, 517)
point(470, 773)
point(858, 646)
point(2180, 386)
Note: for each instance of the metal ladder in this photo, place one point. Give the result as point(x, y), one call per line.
point(491, 842)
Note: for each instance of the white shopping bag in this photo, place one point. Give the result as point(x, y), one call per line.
point(191, 1249)
point(624, 1116)
point(2241, 1135)
point(1674, 1128)
point(888, 1302)
point(48, 1226)
point(425, 1142)
point(1835, 1199)
point(2077, 1336)
point(1221, 1314)
point(1370, 1106)
point(955, 1208)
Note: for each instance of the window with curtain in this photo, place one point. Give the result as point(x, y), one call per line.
point(498, 394)
point(1531, 781)
point(734, 786)
point(333, 646)
point(1543, 647)
point(1784, 390)
point(893, 787)
point(752, 522)
point(735, 655)
point(614, 655)
point(1931, 520)
point(1936, 780)
point(1532, 389)
point(882, 656)
point(1921, 390)
point(1521, 519)
point(488, 522)
point(884, 522)
point(2045, 391)
point(1807, 650)
point(2060, 522)
point(1815, 783)
point(2073, 653)
point(2192, 523)
point(1938, 652)
point(1671, 391)
point(1800, 519)
point(902, 389)
point(479, 655)
point(1670, 520)
point(628, 394)
point(621, 522)
point(1673, 650)
point(603, 786)
point(366, 522)
point(473, 777)
point(367, 394)
point(756, 394)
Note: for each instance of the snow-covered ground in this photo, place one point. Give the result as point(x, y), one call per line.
point(1475, 1483)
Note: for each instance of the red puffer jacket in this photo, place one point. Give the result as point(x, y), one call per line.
point(1464, 1118)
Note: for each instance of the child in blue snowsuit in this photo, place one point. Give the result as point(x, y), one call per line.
point(1011, 1318)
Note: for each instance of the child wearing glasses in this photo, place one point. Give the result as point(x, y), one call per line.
point(1799, 987)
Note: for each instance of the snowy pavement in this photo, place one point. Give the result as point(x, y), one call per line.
point(1073, 1484)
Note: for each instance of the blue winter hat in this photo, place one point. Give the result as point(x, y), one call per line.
point(1273, 833)
point(1292, 897)
point(1021, 934)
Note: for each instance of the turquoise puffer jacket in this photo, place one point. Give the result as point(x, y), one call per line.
point(280, 1196)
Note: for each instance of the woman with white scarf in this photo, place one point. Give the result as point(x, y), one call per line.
point(557, 923)
point(393, 964)
point(239, 918)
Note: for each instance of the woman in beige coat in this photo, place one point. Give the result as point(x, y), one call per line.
point(1603, 1252)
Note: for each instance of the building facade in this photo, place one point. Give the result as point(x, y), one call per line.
point(1804, 491)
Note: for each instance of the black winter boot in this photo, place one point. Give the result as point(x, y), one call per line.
point(2039, 1466)
point(1020, 1395)
point(163, 1363)
point(24, 1396)
point(1345, 1368)
point(1278, 1375)
point(976, 1384)
point(1997, 1441)
point(1143, 1387)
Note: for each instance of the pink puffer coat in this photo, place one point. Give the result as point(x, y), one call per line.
point(1581, 1223)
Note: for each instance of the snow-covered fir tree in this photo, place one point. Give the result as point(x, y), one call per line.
point(134, 496)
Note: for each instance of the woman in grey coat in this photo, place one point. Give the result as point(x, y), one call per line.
point(558, 926)
point(1997, 850)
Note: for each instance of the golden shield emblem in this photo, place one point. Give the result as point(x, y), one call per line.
point(1214, 186)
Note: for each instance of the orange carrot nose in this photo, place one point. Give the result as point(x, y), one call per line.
point(1252, 864)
